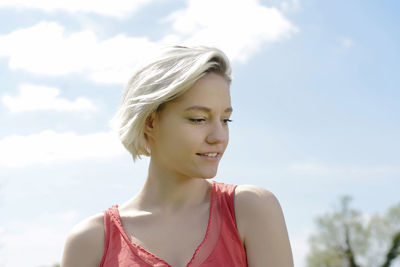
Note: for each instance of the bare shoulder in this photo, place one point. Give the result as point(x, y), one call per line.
point(85, 243)
point(253, 200)
point(255, 195)
point(261, 221)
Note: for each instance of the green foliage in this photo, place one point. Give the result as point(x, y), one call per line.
point(345, 238)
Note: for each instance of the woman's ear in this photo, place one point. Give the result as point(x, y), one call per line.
point(149, 126)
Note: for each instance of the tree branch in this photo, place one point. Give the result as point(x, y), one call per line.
point(394, 250)
point(349, 251)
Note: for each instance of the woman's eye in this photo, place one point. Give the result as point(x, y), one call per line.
point(199, 120)
point(196, 120)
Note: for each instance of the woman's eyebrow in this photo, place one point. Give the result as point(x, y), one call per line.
point(206, 109)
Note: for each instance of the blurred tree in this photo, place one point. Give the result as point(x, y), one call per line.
point(345, 238)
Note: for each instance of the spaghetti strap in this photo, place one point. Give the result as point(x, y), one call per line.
point(106, 236)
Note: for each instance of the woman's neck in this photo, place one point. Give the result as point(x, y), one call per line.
point(167, 193)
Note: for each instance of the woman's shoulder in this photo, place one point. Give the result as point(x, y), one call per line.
point(254, 193)
point(252, 203)
point(84, 245)
point(262, 225)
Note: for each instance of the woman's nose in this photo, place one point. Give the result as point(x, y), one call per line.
point(218, 132)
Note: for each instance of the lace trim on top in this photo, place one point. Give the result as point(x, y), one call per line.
point(202, 251)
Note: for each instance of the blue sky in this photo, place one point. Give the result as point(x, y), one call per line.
point(315, 97)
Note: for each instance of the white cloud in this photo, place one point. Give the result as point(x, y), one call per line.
point(42, 240)
point(2, 233)
point(346, 42)
point(286, 5)
point(34, 97)
point(344, 173)
point(68, 216)
point(46, 49)
point(239, 27)
point(116, 8)
point(299, 244)
point(240, 30)
point(49, 147)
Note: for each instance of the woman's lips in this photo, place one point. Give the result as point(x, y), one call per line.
point(211, 158)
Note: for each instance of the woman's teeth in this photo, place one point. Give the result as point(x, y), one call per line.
point(210, 154)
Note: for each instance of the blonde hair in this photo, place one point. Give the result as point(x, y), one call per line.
point(159, 81)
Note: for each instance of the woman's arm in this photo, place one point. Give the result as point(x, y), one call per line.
point(85, 244)
point(261, 219)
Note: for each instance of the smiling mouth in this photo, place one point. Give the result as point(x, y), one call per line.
point(209, 156)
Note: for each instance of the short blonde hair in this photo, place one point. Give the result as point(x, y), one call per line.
point(159, 81)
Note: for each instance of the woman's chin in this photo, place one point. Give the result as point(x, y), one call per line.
point(209, 175)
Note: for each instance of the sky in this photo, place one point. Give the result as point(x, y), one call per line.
point(315, 95)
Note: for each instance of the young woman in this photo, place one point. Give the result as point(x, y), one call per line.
point(176, 110)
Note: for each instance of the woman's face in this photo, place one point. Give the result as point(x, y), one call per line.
point(192, 125)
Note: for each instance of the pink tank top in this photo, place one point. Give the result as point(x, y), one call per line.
point(221, 245)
